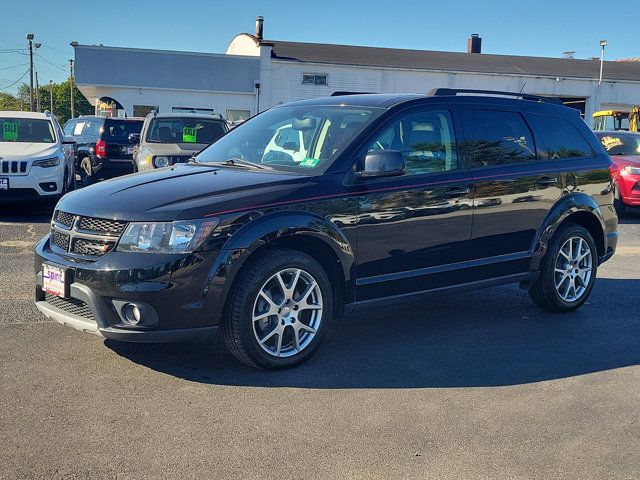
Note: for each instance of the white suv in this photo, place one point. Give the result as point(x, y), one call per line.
point(36, 160)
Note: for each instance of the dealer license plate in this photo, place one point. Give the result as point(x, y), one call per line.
point(4, 183)
point(54, 280)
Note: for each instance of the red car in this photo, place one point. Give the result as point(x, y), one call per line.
point(624, 150)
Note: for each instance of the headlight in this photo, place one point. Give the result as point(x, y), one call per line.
point(632, 170)
point(46, 163)
point(166, 237)
point(161, 161)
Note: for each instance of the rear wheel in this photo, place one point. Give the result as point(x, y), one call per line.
point(568, 270)
point(86, 172)
point(279, 311)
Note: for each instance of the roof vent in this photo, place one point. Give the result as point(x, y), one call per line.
point(259, 27)
point(474, 44)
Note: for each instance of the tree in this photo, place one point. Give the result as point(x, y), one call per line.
point(61, 100)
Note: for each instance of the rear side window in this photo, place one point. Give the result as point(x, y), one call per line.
point(68, 128)
point(497, 138)
point(560, 139)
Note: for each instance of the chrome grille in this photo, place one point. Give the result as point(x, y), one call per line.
point(65, 218)
point(70, 305)
point(85, 236)
point(60, 239)
point(90, 247)
point(100, 225)
point(13, 166)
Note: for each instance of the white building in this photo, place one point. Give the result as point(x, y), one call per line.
point(256, 74)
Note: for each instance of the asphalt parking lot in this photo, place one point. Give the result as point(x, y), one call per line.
point(480, 385)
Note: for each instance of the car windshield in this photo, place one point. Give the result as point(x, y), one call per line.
point(119, 130)
point(299, 138)
point(26, 130)
point(621, 143)
point(185, 130)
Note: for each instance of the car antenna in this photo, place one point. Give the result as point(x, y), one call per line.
point(523, 85)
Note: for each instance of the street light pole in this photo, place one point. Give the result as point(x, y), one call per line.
point(30, 38)
point(603, 43)
point(37, 94)
point(51, 95)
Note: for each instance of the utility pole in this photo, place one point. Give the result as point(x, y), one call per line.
point(73, 115)
point(38, 108)
point(51, 95)
point(30, 38)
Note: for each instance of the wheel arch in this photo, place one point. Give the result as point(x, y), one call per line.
point(301, 231)
point(577, 208)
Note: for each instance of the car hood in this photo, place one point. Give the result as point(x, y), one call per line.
point(175, 148)
point(180, 192)
point(27, 150)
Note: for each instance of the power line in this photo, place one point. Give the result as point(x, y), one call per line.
point(13, 66)
point(6, 87)
point(50, 63)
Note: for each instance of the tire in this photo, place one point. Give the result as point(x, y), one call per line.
point(618, 204)
point(86, 172)
point(554, 295)
point(288, 320)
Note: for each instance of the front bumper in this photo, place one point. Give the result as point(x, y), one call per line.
point(172, 289)
point(23, 187)
point(630, 189)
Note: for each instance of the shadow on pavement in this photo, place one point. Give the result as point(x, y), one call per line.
point(484, 338)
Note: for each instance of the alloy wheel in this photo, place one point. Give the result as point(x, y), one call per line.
point(287, 312)
point(573, 269)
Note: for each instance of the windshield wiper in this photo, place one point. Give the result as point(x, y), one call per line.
point(233, 162)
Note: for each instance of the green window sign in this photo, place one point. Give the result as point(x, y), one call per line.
point(189, 135)
point(10, 131)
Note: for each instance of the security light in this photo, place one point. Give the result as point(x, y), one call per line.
point(603, 43)
point(29, 36)
point(74, 44)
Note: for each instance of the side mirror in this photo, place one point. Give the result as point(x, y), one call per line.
point(134, 138)
point(68, 140)
point(380, 164)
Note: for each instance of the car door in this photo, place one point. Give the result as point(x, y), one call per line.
point(514, 188)
point(413, 229)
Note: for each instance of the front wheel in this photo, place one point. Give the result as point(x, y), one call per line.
point(279, 311)
point(568, 270)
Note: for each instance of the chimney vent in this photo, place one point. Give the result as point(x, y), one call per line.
point(474, 44)
point(259, 27)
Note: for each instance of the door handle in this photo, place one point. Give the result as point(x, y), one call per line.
point(457, 191)
point(546, 181)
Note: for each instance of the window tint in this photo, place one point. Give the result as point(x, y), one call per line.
point(119, 130)
point(426, 139)
point(184, 130)
point(288, 136)
point(26, 130)
point(497, 138)
point(92, 129)
point(560, 139)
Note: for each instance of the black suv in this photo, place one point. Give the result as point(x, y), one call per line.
point(394, 195)
point(103, 145)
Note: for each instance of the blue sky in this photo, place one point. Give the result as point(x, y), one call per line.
point(543, 28)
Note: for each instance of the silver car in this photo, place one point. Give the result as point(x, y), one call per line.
point(170, 138)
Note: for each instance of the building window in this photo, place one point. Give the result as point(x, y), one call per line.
point(314, 79)
point(204, 111)
point(237, 115)
point(144, 110)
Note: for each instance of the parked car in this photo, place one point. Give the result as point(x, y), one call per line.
point(170, 138)
point(103, 145)
point(36, 159)
point(624, 149)
point(269, 254)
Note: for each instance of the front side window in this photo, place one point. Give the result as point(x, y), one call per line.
point(323, 132)
point(426, 139)
point(559, 138)
point(184, 130)
point(68, 127)
point(26, 130)
point(620, 143)
point(497, 138)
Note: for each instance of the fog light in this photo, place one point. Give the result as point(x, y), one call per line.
point(131, 313)
point(49, 186)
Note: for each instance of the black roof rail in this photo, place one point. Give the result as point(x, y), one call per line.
point(438, 92)
point(342, 93)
